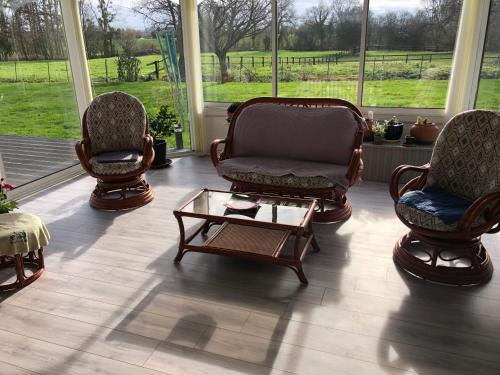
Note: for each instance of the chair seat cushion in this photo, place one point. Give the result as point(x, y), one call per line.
point(284, 172)
point(434, 208)
point(109, 167)
point(117, 156)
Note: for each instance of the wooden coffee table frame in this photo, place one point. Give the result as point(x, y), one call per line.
point(303, 233)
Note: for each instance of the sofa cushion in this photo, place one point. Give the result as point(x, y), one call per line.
point(289, 180)
point(115, 168)
point(272, 130)
point(279, 167)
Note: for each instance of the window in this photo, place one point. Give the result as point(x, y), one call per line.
point(235, 38)
point(135, 46)
point(319, 48)
point(409, 52)
point(488, 94)
point(39, 118)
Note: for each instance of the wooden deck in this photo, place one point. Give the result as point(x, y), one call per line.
point(113, 302)
point(29, 158)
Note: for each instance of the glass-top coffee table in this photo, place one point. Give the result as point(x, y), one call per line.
point(249, 226)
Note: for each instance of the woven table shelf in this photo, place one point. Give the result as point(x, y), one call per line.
point(249, 239)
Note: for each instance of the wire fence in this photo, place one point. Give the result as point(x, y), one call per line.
point(245, 68)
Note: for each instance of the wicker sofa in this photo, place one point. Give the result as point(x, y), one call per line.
point(294, 147)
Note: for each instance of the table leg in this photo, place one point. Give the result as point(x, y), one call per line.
point(182, 237)
point(314, 243)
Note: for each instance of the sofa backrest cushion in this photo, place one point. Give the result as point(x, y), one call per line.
point(323, 134)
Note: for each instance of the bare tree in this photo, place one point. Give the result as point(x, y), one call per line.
point(224, 23)
point(317, 19)
point(104, 20)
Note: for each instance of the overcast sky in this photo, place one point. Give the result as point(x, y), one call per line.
point(127, 18)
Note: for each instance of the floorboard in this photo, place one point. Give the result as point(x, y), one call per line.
point(113, 302)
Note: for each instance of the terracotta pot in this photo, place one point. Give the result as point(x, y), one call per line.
point(424, 133)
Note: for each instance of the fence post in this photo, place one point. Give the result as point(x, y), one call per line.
point(48, 69)
point(241, 65)
point(406, 62)
point(213, 68)
point(253, 61)
point(262, 61)
point(15, 68)
point(373, 70)
point(421, 62)
point(328, 69)
point(430, 58)
point(67, 74)
point(314, 60)
point(293, 60)
point(106, 68)
point(228, 62)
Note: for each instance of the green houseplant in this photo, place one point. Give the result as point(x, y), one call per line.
point(162, 126)
point(378, 133)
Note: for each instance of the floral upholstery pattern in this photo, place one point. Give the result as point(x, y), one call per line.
point(115, 168)
point(288, 180)
point(465, 160)
point(426, 220)
point(116, 121)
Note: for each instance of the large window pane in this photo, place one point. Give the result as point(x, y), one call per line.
point(409, 52)
point(235, 37)
point(319, 48)
point(488, 95)
point(135, 46)
point(38, 113)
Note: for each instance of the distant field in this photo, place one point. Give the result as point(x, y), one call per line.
point(42, 102)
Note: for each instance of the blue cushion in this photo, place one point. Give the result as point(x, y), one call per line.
point(449, 208)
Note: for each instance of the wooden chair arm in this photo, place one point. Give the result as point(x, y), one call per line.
point(82, 151)
point(491, 201)
point(148, 153)
point(355, 166)
point(413, 184)
point(213, 150)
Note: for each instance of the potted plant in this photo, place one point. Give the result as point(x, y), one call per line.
point(5, 205)
point(424, 132)
point(393, 129)
point(162, 126)
point(378, 133)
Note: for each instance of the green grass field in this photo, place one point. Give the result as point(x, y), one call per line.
point(35, 106)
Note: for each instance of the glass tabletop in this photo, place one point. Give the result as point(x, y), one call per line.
point(250, 207)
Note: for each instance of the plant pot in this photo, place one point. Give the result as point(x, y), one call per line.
point(368, 131)
point(424, 133)
point(378, 139)
point(160, 160)
point(394, 132)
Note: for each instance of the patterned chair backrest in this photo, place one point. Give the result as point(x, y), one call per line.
point(466, 157)
point(116, 121)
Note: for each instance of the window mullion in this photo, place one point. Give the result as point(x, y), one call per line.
point(362, 50)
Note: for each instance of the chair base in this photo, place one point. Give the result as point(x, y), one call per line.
point(19, 261)
point(121, 195)
point(438, 259)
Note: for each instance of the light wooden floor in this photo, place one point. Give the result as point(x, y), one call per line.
point(112, 302)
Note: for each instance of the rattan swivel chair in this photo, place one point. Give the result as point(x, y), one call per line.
point(452, 203)
point(117, 149)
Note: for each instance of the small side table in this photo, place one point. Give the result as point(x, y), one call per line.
point(22, 233)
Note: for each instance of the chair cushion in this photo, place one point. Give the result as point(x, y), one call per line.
point(116, 121)
point(284, 172)
point(313, 134)
point(466, 158)
point(434, 208)
point(117, 156)
point(115, 168)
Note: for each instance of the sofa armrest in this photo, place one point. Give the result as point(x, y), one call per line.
point(355, 167)
point(214, 155)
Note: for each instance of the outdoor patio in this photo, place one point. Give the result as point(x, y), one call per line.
point(27, 159)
